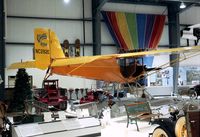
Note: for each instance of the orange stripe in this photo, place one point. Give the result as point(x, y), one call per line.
point(123, 27)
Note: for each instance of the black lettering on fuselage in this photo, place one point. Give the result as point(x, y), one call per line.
point(42, 51)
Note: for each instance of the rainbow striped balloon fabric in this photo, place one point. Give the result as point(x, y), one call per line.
point(132, 31)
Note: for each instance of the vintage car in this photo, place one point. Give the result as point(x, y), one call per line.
point(179, 124)
point(192, 92)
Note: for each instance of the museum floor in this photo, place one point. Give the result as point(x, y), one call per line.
point(117, 128)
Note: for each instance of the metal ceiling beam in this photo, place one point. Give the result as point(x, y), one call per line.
point(101, 3)
point(140, 2)
point(186, 1)
point(2, 49)
point(174, 40)
point(96, 28)
point(155, 2)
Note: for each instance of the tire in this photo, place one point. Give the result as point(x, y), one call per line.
point(193, 94)
point(180, 127)
point(63, 105)
point(161, 132)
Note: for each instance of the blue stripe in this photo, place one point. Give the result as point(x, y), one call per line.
point(141, 22)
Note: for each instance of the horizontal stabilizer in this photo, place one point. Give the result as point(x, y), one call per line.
point(18, 65)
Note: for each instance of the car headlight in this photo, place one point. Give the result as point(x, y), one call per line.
point(172, 109)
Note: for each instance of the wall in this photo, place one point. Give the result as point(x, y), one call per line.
point(190, 16)
point(20, 30)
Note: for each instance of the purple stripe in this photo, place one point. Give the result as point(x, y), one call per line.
point(149, 29)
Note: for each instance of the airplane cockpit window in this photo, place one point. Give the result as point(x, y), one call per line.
point(127, 66)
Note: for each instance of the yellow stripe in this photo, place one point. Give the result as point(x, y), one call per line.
point(123, 27)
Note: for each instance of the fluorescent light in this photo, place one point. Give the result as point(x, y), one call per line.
point(182, 5)
point(66, 1)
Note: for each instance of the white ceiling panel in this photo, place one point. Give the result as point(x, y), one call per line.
point(45, 8)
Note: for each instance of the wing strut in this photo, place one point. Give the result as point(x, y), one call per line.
point(48, 74)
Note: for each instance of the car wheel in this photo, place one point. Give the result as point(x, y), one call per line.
point(193, 94)
point(180, 127)
point(161, 132)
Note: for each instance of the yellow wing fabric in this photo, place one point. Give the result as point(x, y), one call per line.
point(55, 48)
point(92, 67)
point(81, 60)
point(103, 67)
point(27, 64)
point(88, 59)
point(160, 51)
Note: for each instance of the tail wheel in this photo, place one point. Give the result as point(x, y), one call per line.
point(180, 127)
point(161, 132)
point(63, 105)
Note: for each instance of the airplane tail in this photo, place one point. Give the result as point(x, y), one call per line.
point(47, 47)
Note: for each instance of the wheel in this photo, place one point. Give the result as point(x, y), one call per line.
point(63, 105)
point(180, 127)
point(193, 94)
point(161, 132)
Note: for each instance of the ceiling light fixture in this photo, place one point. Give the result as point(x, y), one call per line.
point(66, 1)
point(182, 5)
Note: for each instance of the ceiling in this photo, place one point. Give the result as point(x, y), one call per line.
point(189, 15)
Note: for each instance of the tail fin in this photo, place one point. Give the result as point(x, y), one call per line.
point(47, 47)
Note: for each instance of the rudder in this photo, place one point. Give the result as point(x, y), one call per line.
point(47, 47)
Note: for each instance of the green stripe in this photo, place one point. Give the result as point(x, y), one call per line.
point(132, 25)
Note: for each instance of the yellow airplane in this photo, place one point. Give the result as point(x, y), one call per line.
point(49, 55)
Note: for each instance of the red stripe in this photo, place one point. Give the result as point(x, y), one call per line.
point(113, 21)
point(154, 33)
point(160, 30)
point(157, 31)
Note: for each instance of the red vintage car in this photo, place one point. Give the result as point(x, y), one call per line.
point(52, 95)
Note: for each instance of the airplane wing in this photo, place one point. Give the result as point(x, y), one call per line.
point(105, 67)
point(87, 59)
point(161, 51)
point(97, 67)
point(114, 67)
point(101, 67)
